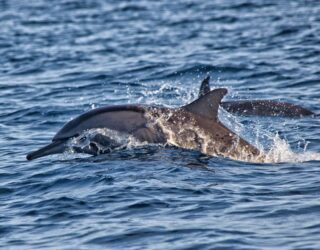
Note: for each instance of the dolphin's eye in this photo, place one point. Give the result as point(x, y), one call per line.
point(82, 139)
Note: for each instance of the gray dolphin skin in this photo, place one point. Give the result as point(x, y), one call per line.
point(258, 107)
point(195, 126)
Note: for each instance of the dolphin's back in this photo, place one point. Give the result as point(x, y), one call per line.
point(125, 118)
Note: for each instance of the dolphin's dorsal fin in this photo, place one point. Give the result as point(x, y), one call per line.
point(205, 87)
point(208, 104)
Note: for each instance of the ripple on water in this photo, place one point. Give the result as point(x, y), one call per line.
point(58, 61)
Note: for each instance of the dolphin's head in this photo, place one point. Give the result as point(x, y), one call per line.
point(117, 118)
point(59, 142)
point(71, 129)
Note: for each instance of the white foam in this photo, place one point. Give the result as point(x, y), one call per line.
point(281, 151)
point(123, 140)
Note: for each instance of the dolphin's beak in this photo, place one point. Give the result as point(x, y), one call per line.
point(55, 147)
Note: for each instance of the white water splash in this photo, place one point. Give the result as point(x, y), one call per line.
point(282, 152)
point(275, 148)
point(122, 140)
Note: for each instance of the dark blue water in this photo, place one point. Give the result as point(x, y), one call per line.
point(61, 58)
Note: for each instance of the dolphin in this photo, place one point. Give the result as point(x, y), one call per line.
point(258, 107)
point(194, 126)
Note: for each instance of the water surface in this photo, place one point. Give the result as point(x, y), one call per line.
point(61, 59)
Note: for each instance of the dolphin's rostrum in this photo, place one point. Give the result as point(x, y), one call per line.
point(194, 126)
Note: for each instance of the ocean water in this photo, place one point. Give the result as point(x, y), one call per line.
point(61, 58)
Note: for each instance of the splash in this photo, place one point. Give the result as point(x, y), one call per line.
point(119, 140)
point(274, 148)
point(281, 151)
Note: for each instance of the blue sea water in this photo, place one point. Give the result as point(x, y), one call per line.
point(61, 58)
